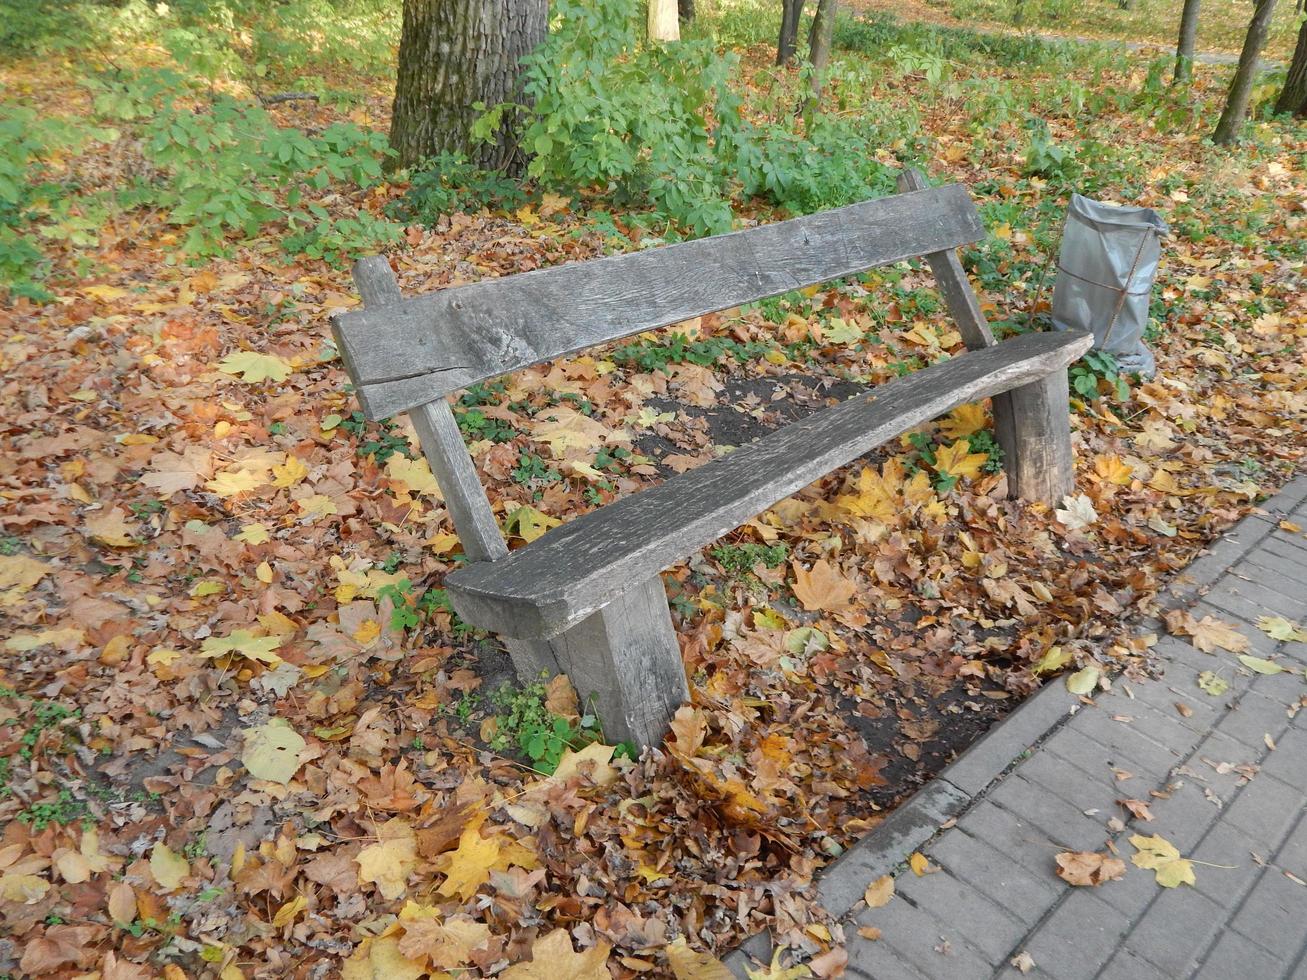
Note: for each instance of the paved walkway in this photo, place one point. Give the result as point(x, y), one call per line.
point(1225, 779)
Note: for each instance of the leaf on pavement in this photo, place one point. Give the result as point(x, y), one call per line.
point(688, 964)
point(1260, 665)
point(879, 892)
point(1088, 868)
point(1279, 628)
point(1159, 855)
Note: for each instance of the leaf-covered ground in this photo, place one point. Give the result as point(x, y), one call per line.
point(241, 734)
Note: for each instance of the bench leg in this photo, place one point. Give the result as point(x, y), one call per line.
point(625, 660)
point(1033, 426)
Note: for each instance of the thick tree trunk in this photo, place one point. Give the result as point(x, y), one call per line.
point(1184, 48)
point(664, 22)
point(1236, 103)
point(453, 53)
point(791, 13)
point(820, 40)
point(1293, 97)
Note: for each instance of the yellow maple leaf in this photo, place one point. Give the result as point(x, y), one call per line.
point(1159, 855)
point(446, 945)
point(256, 533)
point(566, 429)
point(468, 867)
point(689, 964)
point(245, 643)
point(289, 473)
point(18, 573)
point(552, 958)
point(380, 958)
point(253, 367)
point(229, 483)
point(412, 476)
point(958, 460)
point(963, 421)
point(390, 861)
point(65, 638)
point(1113, 469)
point(168, 867)
point(529, 524)
point(875, 496)
point(316, 505)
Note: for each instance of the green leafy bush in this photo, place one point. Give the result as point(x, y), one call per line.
point(234, 170)
point(450, 182)
point(608, 111)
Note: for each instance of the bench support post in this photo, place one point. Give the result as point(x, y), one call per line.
point(442, 445)
point(1031, 423)
point(626, 661)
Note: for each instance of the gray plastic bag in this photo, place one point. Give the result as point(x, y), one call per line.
point(1105, 275)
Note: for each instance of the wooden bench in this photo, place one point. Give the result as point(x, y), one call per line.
point(587, 598)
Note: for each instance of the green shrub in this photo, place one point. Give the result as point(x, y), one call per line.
point(450, 182)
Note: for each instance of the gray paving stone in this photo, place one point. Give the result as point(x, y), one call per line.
point(1252, 719)
point(1180, 687)
point(1128, 965)
point(1179, 653)
point(1236, 958)
point(1131, 748)
point(1176, 930)
point(1024, 893)
point(1184, 817)
point(1230, 868)
point(1162, 727)
point(1267, 807)
point(1251, 600)
point(935, 947)
point(1288, 588)
point(1079, 938)
point(1289, 760)
point(874, 960)
point(1274, 915)
point(1219, 749)
point(1292, 855)
point(1063, 823)
point(1072, 784)
point(986, 926)
point(1034, 845)
point(910, 826)
point(1283, 548)
point(1291, 568)
point(976, 768)
point(1259, 644)
point(1290, 539)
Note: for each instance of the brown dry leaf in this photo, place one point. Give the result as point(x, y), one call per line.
point(822, 587)
point(1137, 807)
point(1088, 867)
point(1023, 961)
point(1207, 633)
point(552, 958)
point(869, 932)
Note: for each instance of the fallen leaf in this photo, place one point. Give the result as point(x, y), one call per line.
point(919, 864)
point(552, 958)
point(1077, 513)
point(879, 892)
point(1083, 681)
point(1159, 855)
point(1279, 628)
point(272, 751)
point(688, 964)
point(390, 861)
point(168, 867)
point(468, 867)
point(1212, 683)
point(253, 367)
point(1088, 868)
point(1260, 665)
point(822, 587)
point(1023, 961)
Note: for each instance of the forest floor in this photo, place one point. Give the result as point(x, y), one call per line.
point(241, 732)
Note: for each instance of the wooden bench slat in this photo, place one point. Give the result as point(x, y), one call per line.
point(425, 347)
point(578, 568)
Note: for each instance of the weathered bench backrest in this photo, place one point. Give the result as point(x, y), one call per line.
point(416, 350)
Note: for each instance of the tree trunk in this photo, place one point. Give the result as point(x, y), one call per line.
point(664, 24)
point(1236, 103)
point(686, 10)
point(820, 40)
point(791, 12)
point(1184, 48)
point(1293, 97)
point(453, 53)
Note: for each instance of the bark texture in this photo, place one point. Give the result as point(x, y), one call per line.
point(791, 14)
point(1236, 102)
point(1293, 97)
point(1184, 48)
point(820, 40)
point(452, 54)
point(664, 21)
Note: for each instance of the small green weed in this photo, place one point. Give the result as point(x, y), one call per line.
point(739, 560)
point(524, 722)
point(1097, 373)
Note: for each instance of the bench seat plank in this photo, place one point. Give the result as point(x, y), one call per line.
point(558, 580)
point(422, 348)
